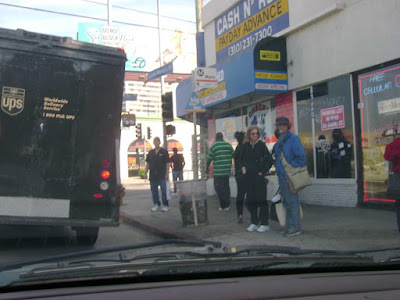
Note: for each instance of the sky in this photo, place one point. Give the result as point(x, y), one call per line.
point(137, 14)
point(136, 21)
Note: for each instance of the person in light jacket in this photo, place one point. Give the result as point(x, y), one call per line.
point(293, 150)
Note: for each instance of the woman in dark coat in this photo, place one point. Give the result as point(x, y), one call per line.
point(241, 191)
point(255, 162)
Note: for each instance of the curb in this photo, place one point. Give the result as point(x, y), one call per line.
point(163, 233)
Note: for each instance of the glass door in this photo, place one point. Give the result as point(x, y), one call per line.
point(380, 117)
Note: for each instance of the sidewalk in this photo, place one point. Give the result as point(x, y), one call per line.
point(323, 227)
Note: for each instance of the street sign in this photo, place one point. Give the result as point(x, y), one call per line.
point(194, 105)
point(164, 70)
point(205, 77)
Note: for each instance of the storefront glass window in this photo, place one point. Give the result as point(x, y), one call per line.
point(326, 128)
point(305, 126)
point(380, 118)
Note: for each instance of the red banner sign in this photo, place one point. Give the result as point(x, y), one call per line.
point(332, 118)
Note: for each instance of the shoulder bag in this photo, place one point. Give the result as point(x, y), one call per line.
point(297, 177)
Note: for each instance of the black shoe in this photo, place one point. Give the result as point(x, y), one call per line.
point(291, 233)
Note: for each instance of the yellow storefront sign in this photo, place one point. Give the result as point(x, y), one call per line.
point(278, 76)
point(270, 55)
point(208, 92)
point(270, 13)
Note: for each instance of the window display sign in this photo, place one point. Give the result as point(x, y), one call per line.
point(332, 118)
point(380, 118)
point(389, 106)
point(263, 115)
point(229, 127)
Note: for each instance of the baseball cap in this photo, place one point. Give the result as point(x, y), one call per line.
point(282, 120)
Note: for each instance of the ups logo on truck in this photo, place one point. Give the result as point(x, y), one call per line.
point(12, 100)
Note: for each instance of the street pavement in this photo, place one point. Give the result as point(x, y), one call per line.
point(28, 243)
point(328, 228)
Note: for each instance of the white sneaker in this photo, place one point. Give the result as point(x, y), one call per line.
point(263, 228)
point(155, 208)
point(252, 227)
point(165, 208)
point(224, 209)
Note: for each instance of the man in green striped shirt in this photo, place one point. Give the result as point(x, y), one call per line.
point(220, 154)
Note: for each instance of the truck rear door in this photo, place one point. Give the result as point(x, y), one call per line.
point(37, 128)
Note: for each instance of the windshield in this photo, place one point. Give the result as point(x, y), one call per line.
point(168, 137)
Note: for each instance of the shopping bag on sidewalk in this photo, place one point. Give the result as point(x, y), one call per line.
point(169, 192)
point(281, 213)
point(272, 213)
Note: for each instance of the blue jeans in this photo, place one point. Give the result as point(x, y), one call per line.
point(292, 204)
point(175, 176)
point(154, 183)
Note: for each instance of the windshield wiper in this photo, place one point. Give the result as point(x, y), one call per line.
point(298, 251)
point(200, 260)
point(60, 257)
point(181, 263)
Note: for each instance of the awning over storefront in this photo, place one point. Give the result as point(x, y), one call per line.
point(174, 144)
point(241, 78)
point(139, 144)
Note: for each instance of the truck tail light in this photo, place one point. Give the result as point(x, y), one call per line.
point(105, 174)
point(98, 196)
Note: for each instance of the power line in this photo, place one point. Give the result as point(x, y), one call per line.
point(82, 16)
point(139, 11)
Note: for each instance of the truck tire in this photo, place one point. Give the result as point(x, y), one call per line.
point(87, 236)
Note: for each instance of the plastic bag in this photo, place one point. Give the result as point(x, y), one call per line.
point(281, 213)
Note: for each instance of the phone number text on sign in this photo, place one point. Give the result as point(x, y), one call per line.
point(332, 118)
point(249, 41)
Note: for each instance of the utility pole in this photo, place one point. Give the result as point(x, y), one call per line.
point(195, 163)
point(199, 23)
point(109, 13)
point(162, 77)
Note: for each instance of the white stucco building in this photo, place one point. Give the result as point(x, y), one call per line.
point(330, 65)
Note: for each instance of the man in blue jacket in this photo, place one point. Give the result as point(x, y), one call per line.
point(293, 150)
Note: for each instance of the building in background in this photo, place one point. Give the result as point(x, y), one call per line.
point(141, 97)
point(147, 108)
point(338, 84)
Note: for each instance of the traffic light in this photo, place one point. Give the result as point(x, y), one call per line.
point(170, 130)
point(148, 133)
point(167, 107)
point(139, 131)
point(128, 120)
